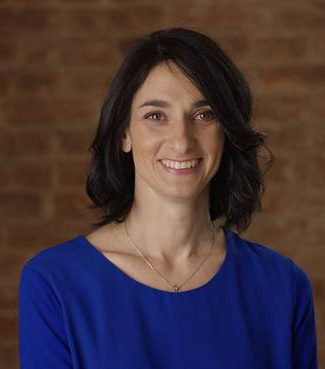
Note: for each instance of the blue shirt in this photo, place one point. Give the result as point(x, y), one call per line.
point(78, 310)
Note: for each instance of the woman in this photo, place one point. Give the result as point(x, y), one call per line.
point(163, 282)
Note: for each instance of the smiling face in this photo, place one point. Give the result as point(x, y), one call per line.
point(171, 119)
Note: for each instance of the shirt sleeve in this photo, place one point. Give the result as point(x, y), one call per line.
point(304, 327)
point(42, 336)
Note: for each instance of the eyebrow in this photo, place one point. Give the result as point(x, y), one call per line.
point(166, 104)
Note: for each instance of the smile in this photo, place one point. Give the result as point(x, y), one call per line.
point(181, 168)
point(180, 164)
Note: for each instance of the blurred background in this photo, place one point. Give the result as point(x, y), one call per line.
point(57, 59)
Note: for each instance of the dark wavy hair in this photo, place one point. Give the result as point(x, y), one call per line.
point(236, 189)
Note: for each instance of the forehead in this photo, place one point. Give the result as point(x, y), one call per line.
point(167, 81)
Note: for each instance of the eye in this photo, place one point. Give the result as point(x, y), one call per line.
point(209, 113)
point(153, 114)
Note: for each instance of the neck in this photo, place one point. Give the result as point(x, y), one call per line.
point(171, 234)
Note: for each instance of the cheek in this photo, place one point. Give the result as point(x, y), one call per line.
point(214, 142)
point(146, 143)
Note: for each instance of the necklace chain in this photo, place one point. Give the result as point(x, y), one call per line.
point(175, 287)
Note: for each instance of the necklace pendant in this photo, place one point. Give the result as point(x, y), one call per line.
point(176, 288)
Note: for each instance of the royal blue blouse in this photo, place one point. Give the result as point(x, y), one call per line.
point(78, 310)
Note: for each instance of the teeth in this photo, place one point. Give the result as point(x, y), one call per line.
point(180, 165)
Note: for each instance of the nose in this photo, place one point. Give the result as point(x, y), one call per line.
point(182, 135)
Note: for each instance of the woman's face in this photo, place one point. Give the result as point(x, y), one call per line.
point(170, 120)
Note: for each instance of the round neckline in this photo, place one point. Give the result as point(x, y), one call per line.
point(113, 267)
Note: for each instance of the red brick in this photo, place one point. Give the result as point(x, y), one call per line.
point(75, 141)
point(268, 230)
point(236, 46)
point(218, 16)
point(314, 164)
point(30, 80)
point(298, 17)
point(14, 3)
point(280, 107)
point(29, 20)
point(35, 236)
point(316, 107)
point(288, 136)
point(97, 23)
point(30, 237)
point(10, 264)
point(290, 234)
point(311, 231)
point(315, 132)
point(70, 204)
point(303, 169)
point(39, 50)
point(9, 354)
point(4, 175)
point(29, 50)
point(276, 198)
point(124, 44)
point(20, 205)
point(32, 174)
point(82, 2)
point(72, 172)
point(9, 294)
point(5, 81)
point(9, 328)
point(315, 49)
point(284, 168)
point(310, 260)
point(88, 21)
point(278, 47)
point(319, 289)
point(304, 77)
point(79, 51)
point(47, 111)
point(87, 81)
point(8, 51)
point(21, 143)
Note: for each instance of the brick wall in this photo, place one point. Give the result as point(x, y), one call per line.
point(56, 60)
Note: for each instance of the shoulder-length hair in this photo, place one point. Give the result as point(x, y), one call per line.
point(236, 189)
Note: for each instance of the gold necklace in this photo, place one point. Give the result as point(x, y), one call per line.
point(175, 287)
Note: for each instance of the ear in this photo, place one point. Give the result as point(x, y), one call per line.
point(126, 141)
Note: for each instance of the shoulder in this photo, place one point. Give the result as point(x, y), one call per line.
point(256, 251)
point(266, 262)
point(56, 258)
point(110, 239)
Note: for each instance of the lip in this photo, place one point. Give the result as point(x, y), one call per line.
point(183, 170)
point(181, 161)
